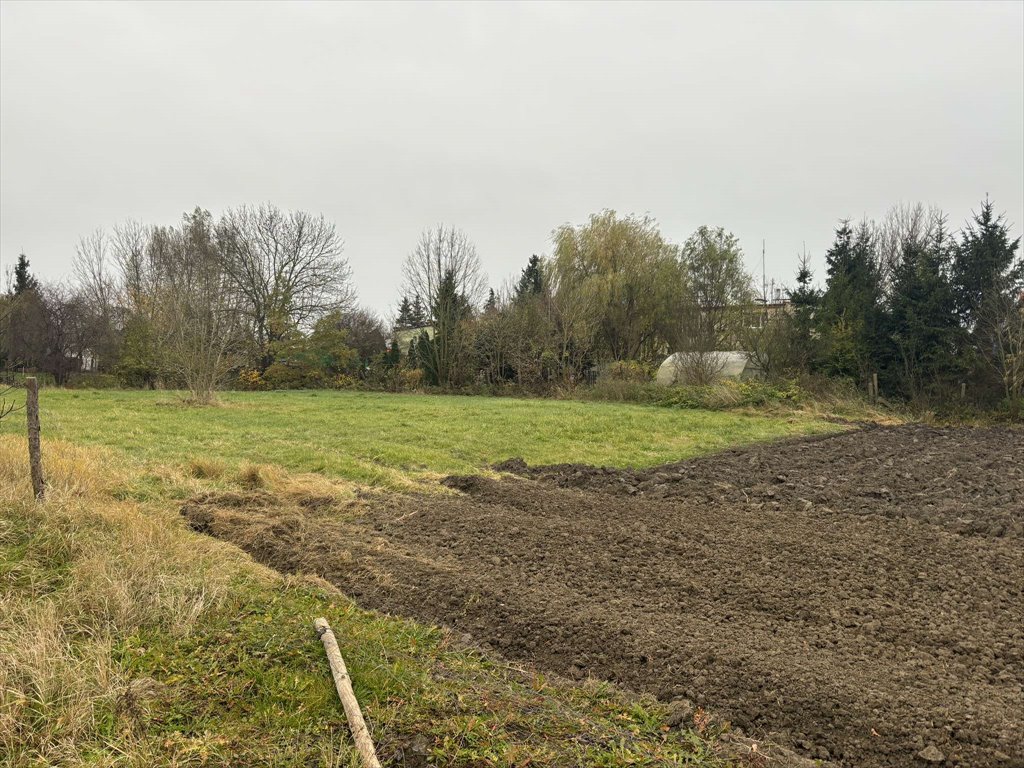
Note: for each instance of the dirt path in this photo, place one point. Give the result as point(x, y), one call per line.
point(858, 597)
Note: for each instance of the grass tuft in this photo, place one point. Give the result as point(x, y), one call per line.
point(250, 476)
point(207, 469)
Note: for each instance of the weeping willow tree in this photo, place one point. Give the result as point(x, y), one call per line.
point(625, 276)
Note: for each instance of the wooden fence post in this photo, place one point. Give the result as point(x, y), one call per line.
point(874, 387)
point(35, 459)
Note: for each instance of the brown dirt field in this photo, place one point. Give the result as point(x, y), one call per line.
point(858, 597)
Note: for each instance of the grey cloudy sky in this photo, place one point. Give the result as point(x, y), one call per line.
point(773, 120)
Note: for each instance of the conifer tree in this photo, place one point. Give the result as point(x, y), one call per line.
point(850, 306)
point(405, 317)
point(985, 264)
point(23, 279)
point(805, 300)
point(922, 319)
point(531, 280)
point(419, 313)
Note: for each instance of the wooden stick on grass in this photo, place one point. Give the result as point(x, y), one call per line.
point(35, 460)
point(356, 724)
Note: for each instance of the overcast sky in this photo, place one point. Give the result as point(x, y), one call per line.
point(772, 120)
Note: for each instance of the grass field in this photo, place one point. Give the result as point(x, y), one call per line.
point(386, 440)
point(128, 640)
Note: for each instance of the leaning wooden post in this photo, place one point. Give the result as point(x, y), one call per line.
point(874, 386)
point(35, 460)
point(356, 724)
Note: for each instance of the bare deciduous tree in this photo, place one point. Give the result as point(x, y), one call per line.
point(196, 307)
point(130, 251)
point(366, 332)
point(442, 252)
point(445, 271)
point(91, 269)
point(286, 267)
point(96, 296)
point(903, 225)
point(1004, 318)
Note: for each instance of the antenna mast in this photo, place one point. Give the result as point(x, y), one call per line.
point(764, 277)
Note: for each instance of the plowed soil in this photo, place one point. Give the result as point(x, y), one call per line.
point(858, 597)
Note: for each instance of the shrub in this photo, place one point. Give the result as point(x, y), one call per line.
point(733, 394)
point(16, 379)
point(281, 376)
point(88, 380)
point(629, 370)
point(344, 381)
point(411, 379)
point(249, 379)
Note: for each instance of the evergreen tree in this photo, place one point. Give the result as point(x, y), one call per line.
point(411, 314)
point(922, 318)
point(23, 279)
point(531, 280)
point(491, 305)
point(805, 300)
point(419, 313)
point(440, 355)
point(405, 317)
point(850, 306)
point(985, 264)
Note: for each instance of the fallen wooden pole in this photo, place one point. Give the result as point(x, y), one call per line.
point(356, 724)
point(35, 460)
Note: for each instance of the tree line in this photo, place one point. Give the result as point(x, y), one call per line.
point(262, 298)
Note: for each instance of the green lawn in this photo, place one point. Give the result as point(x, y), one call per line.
point(382, 439)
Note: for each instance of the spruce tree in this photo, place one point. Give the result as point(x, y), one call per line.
point(531, 280)
point(23, 279)
point(419, 313)
point(922, 320)
point(985, 264)
point(405, 317)
point(850, 306)
point(805, 300)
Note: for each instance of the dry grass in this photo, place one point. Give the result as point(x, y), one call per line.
point(81, 571)
point(207, 469)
